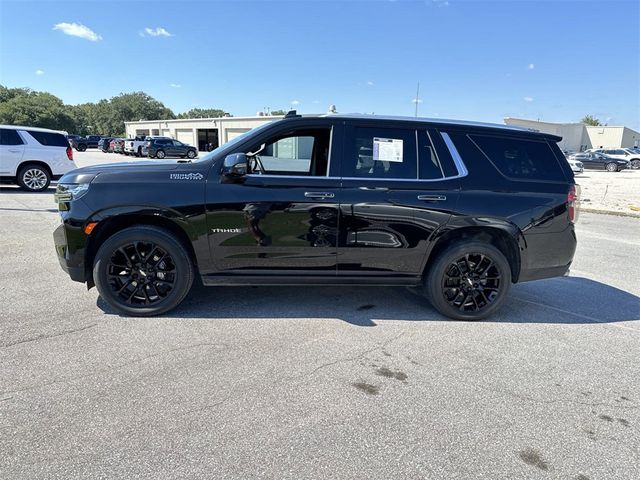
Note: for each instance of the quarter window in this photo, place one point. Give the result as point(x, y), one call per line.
point(9, 137)
point(49, 138)
point(520, 159)
point(386, 153)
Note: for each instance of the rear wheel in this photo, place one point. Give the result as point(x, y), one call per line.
point(81, 148)
point(34, 178)
point(635, 163)
point(611, 167)
point(468, 281)
point(160, 154)
point(143, 271)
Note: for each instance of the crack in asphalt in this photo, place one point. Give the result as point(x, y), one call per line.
point(115, 367)
point(559, 400)
point(44, 336)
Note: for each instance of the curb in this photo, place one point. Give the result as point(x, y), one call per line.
point(610, 212)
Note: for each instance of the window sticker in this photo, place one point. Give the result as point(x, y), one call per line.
point(387, 149)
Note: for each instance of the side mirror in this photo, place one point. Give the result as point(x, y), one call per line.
point(235, 165)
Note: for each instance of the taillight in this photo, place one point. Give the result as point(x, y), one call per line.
point(573, 203)
point(70, 153)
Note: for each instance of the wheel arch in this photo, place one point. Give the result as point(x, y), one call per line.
point(40, 163)
point(110, 223)
point(505, 236)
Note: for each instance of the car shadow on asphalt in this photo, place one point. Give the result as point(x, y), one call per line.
point(567, 300)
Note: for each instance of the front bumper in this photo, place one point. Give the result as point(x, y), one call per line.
point(72, 264)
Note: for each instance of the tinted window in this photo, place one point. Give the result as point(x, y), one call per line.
point(428, 157)
point(519, 158)
point(302, 152)
point(380, 153)
point(49, 138)
point(10, 137)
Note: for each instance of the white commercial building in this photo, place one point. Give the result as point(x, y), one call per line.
point(579, 137)
point(198, 132)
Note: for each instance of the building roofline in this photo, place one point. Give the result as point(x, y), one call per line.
point(254, 117)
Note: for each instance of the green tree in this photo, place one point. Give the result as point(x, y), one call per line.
point(591, 120)
point(278, 112)
point(21, 106)
point(202, 113)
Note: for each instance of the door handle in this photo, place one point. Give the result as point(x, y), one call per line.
point(374, 189)
point(432, 198)
point(13, 150)
point(319, 195)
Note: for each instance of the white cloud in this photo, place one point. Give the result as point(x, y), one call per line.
point(156, 32)
point(370, 83)
point(416, 100)
point(295, 102)
point(531, 66)
point(528, 99)
point(39, 72)
point(77, 30)
point(175, 85)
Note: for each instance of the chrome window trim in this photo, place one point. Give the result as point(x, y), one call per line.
point(362, 179)
point(457, 159)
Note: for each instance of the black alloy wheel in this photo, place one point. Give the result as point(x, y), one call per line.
point(143, 271)
point(469, 280)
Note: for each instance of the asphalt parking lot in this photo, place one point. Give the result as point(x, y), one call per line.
point(318, 382)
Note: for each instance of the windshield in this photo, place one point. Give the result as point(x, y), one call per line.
point(230, 145)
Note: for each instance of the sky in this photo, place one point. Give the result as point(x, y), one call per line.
point(474, 60)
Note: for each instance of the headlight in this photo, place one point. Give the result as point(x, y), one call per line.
point(65, 192)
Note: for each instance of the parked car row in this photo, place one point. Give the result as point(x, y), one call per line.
point(140, 146)
point(611, 160)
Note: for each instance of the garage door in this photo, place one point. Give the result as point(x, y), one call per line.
point(166, 133)
point(185, 136)
point(234, 132)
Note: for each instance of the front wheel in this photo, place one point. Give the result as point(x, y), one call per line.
point(611, 167)
point(160, 154)
point(81, 148)
point(635, 163)
point(143, 271)
point(191, 154)
point(468, 281)
point(33, 178)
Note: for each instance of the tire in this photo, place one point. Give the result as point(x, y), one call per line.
point(81, 148)
point(442, 284)
point(160, 154)
point(634, 164)
point(611, 167)
point(191, 154)
point(33, 178)
point(143, 271)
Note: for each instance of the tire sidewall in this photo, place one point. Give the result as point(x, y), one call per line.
point(433, 279)
point(24, 186)
point(184, 269)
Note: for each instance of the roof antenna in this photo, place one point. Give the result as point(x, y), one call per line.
point(417, 99)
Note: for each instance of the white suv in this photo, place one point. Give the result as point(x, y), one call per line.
point(32, 157)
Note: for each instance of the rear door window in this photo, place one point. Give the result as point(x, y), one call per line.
point(49, 139)
point(380, 153)
point(9, 137)
point(520, 159)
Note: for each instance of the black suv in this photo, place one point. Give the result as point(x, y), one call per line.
point(462, 210)
point(82, 143)
point(161, 147)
